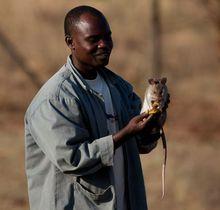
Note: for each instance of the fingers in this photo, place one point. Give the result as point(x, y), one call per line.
point(144, 121)
point(144, 115)
point(141, 116)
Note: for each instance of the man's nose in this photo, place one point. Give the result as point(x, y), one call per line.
point(104, 44)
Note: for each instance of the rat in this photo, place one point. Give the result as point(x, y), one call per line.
point(156, 95)
point(155, 99)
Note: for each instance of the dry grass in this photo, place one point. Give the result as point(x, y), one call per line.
point(13, 193)
point(190, 61)
point(192, 177)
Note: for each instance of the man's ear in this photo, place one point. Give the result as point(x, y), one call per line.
point(69, 42)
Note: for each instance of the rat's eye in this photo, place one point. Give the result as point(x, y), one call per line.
point(152, 102)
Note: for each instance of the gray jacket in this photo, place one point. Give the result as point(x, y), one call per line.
point(69, 152)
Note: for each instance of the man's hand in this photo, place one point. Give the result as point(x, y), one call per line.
point(135, 126)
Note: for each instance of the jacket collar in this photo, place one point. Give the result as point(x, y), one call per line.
point(76, 74)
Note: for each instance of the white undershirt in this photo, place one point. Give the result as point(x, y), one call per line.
point(99, 85)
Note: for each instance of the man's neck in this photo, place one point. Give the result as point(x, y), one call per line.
point(87, 72)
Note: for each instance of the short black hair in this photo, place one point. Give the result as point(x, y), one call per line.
point(73, 17)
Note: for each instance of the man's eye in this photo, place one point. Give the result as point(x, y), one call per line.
point(93, 39)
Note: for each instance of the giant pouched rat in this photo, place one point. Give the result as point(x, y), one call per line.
point(156, 97)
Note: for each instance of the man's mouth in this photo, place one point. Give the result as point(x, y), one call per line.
point(103, 54)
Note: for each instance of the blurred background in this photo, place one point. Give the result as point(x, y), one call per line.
point(176, 39)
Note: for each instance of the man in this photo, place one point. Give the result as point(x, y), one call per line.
point(83, 131)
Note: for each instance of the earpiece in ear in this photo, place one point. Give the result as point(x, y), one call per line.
point(69, 41)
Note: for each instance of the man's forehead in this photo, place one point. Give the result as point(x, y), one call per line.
point(88, 24)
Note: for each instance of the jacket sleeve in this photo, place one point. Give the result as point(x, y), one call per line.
point(58, 129)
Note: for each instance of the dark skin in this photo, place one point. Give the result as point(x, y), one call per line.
point(91, 45)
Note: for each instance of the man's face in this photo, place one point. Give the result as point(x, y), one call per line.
point(92, 42)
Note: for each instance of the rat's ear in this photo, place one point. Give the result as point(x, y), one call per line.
point(164, 80)
point(151, 81)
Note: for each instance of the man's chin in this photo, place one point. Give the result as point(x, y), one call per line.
point(102, 63)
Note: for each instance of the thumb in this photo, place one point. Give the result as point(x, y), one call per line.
point(142, 116)
point(147, 118)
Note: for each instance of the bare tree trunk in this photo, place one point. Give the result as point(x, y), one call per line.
point(19, 59)
point(156, 38)
point(213, 9)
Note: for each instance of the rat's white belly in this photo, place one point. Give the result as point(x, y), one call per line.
point(147, 102)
